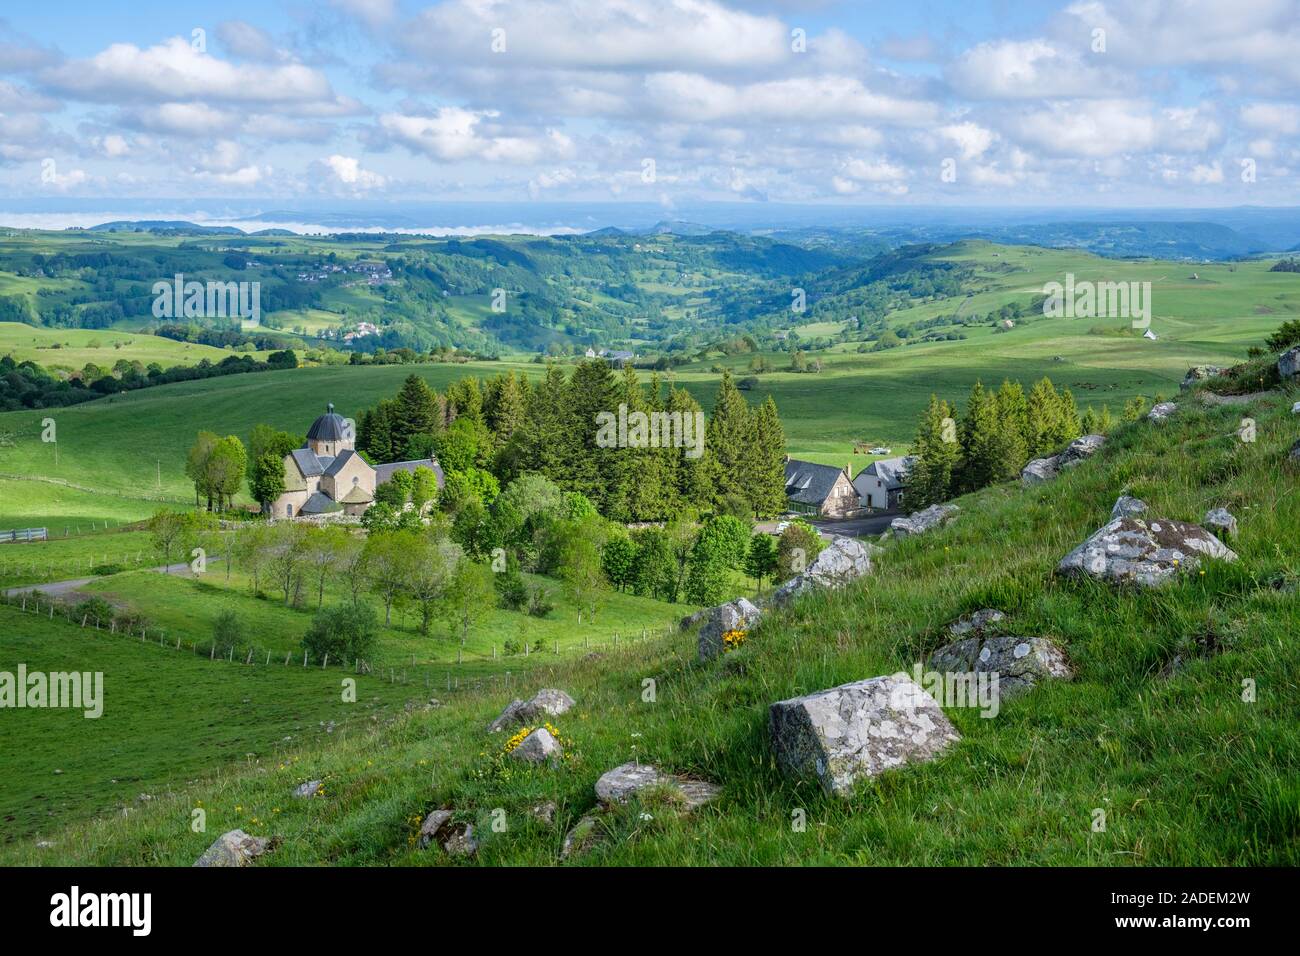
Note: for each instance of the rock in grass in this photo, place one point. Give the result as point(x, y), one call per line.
point(1080, 449)
point(1199, 373)
point(461, 842)
point(235, 848)
point(935, 516)
point(1019, 662)
point(840, 562)
point(544, 812)
point(538, 747)
point(1288, 363)
point(435, 827)
point(623, 782)
point(586, 833)
point(1144, 551)
point(1161, 411)
point(1128, 506)
point(847, 733)
point(308, 789)
point(737, 615)
point(1294, 453)
point(548, 701)
point(1221, 521)
point(977, 622)
point(1039, 470)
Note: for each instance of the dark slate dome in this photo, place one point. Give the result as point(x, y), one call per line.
point(329, 427)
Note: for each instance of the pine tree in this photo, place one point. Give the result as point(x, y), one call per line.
point(931, 479)
point(727, 437)
point(1013, 423)
point(1071, 427)
point(980, 440)
point(1044, 419)
point(414, 413)
point(766, 487)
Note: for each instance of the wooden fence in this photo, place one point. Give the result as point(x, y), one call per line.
point(24, 534)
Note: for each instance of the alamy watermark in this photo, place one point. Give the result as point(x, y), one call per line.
point(1098, 300)
point(979, 689)
point(76, 690)
point(179, 299)
point(651, 430)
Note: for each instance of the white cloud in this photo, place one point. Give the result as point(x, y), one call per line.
point(347, 171)
point(1275, 118)
point(452, 134)
point(1027, 69)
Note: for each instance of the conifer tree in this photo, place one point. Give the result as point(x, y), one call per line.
point(727, 437)
point(414, 412)
point(931, 479)
point(766, 487)
point(1013, 423)
point(1044, 419)
point(981, 443)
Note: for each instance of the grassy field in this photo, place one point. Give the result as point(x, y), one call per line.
point(61, 766)
point(1187, 771)
point(64, 558)
point(70, 349)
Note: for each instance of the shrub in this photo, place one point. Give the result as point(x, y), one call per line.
point(798, 546)
point(539, 602)
point(343, 631)
point(227, 631)
point(131, 622)
point(512, 592)
point(102, 570)
point(94, 611)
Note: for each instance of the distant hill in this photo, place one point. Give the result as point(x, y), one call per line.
point(165, 225)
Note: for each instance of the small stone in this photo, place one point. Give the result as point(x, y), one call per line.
point(308, 789)
point(433, 827)
point(1081, 448)
point(978, 622)
point(843, 560)
point(935, 516)
point(1288, 363)
point(461, 842)
point(544, 812)
point(623, 782)
point(1161, 411)
point(235, 848)
point(585, 834)
point(1221, 521)
point(1143, 551)
point(1019, 662)
point(1039, 470)
point(737, 615)
point(548, 701)
point(538, 747)
point(1295, 409)
point(1199, 373)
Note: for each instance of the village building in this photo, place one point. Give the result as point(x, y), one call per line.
point(328, 476)
point(819, 489)
point(879, 486)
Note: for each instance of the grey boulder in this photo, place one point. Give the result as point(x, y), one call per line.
point(1081, 448)
point(935, 516)
point(738, 615)
point(434, 827)
point(461, 842)
point(626, 780)
point(858, 730)
point(1199, 373)
point(548, 701)
point(1162, 411)
point(1040, 470)
point(235, 848)
point(1288, 363)
point(840, 562)
point(1127, 506)
point(1019, 662)
point(538, 747)
point(308, 789)
point(1144, 551)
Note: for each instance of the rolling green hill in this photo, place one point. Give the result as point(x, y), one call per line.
point(1187, 768)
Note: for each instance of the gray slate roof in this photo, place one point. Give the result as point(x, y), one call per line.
point(329, 427)
point(808, 483)
point(891, 471)
point(385, 472)
point(336, 463)
point(308, 463)
point(319, 503)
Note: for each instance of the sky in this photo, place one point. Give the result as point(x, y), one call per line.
point(931, 102)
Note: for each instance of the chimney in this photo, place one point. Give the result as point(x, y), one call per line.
point(787, 459)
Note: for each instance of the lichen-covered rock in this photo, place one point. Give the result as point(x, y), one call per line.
point(624, 781)
point(737, 615)
point(434, 828)
point(547, 701)
point(1221, 521)
point(1144, 551)
point(461, 842)
point(308, 789)
point(1161, 411)
point(235, 848)
point(692, 620)
point(840, 562)
point(544, 812)
point(935, 516)
point(538, 747)
point(1127, 505)
point(1295, 409)
point(586, 833)
point(1080, 449)
point(1199, 373)
point(1040, 470)
point(1288, 363)
point(841, 735)
point(1019, 662)
point(985, 620)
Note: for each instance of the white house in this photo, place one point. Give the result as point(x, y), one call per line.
point(880, 484)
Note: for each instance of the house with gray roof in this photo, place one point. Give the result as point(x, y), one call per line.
point(880, 486)
point(822, 490)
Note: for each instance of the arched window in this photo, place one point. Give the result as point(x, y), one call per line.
point(288, 511)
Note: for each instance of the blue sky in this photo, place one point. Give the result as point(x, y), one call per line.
point(1094, 102)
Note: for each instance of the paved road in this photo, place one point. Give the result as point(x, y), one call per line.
point(867, 527)
point(60, 588)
